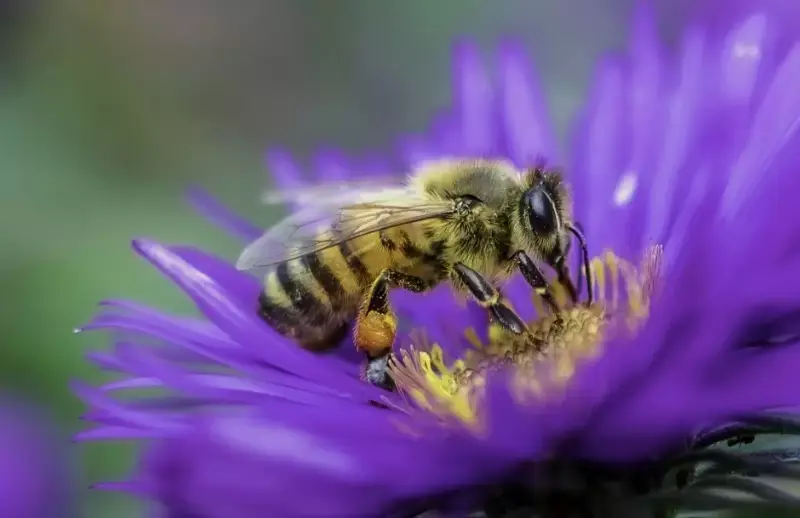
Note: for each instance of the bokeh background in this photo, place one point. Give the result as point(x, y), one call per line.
point(110, 109)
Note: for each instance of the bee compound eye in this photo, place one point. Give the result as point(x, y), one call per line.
point(541, 211)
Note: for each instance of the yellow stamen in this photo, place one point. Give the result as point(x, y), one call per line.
point(613, 265)
point(598, 269)
point(543, 360)
point(473, 338)
point(434, 386)
point(560, 294)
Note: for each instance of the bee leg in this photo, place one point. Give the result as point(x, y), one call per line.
point(496, 330)
point(376, 324)
point(376, 372)
point(559, 263)
point(488, 297)
point(534, 276)
point(565, 280)
point(577, 231)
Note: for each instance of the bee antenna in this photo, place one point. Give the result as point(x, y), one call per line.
point(587, 271)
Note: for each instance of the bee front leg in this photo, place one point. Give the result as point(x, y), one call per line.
point(565, 279)
point(376, 324)
point(534, 276)
point(488, 297)
point(559, 263)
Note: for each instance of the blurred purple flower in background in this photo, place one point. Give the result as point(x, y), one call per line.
point(685, 163)
point(34, 476)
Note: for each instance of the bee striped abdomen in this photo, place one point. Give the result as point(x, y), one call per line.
point(355, 265)
point(327, 280)
point(304, 301)
point(311, 299)
point(275, 314)
point(296, 303)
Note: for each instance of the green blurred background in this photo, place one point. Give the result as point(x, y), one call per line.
point(109, 109)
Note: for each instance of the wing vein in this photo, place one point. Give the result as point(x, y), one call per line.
point(328, 223)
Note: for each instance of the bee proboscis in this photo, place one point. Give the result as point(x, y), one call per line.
point(472, 223)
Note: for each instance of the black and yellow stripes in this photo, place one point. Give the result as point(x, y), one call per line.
point(305, 300)
point(355, 265)
point(301, 299)
point(327, 281)
point(311, 297)
point(412, 247)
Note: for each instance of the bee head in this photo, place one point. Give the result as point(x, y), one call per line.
point(543, 213)
point(544, 217)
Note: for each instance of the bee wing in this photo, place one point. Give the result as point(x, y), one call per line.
point(349, 216)
point(331, 193)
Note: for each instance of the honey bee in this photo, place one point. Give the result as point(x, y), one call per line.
point(470, 222)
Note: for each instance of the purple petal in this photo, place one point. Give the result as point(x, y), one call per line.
point(776, 126)
point(217, 289)
point(646, 113)
point(445, 326)
point(473, 101)
point(331, 165)
point(374, 166)
point(681, 127)
point(526, 125)
point(123, 414)
point(444, 134)
point(358, 464)
point(598, 156)
point(220, 215)
point(35, 475)
point(285, 172)
point(414, 149)
point(742, 57)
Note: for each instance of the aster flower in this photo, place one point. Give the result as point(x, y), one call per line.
point(683, 175)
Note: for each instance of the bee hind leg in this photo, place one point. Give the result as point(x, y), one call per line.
point(376, 324)
point(376, 372)
point(488, 297)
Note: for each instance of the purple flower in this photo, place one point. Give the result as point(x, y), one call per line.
point(33, 467)
point(682, 169)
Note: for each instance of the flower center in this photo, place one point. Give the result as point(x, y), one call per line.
point(543, 358)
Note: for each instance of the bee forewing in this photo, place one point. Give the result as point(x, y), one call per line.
point(343, 191)
point(255, 255)
point(351, 213)
point(275, 245)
